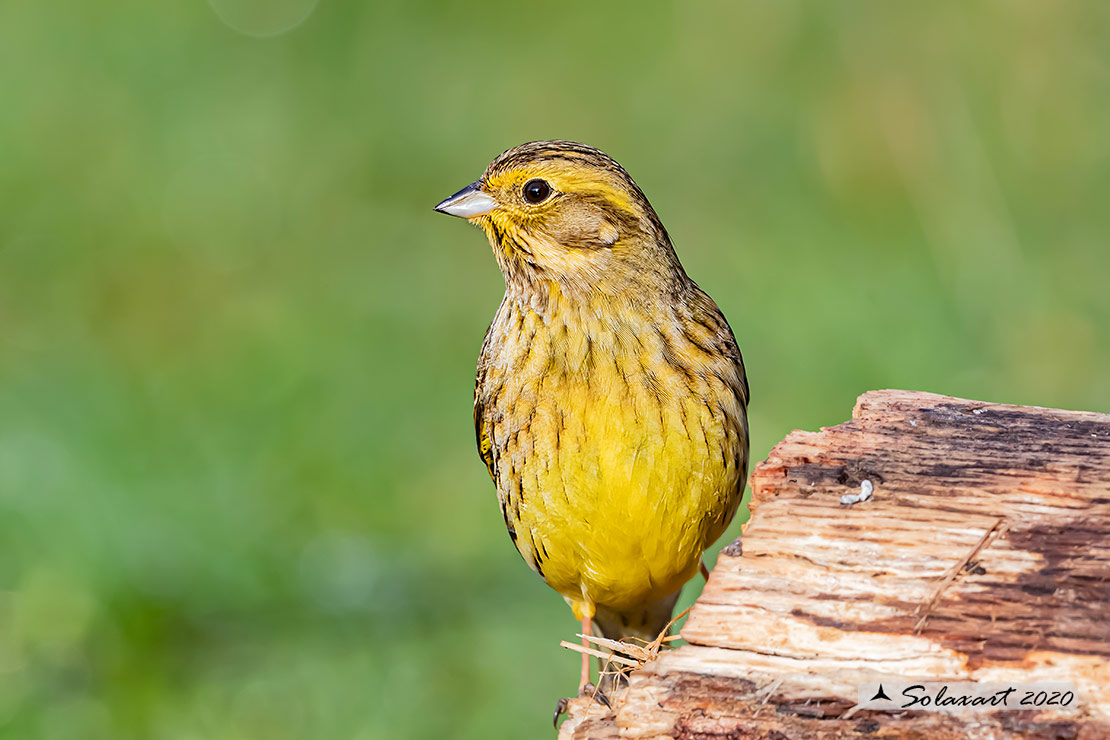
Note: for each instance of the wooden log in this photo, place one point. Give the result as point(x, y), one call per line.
point(982, 555)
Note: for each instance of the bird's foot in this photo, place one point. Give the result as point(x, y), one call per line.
point(587, 689)
point(596, 694)
point(560, 709)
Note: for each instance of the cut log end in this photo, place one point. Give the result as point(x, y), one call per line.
point(981, 553)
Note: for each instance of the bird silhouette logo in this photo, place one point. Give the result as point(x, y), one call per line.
point(880, 694)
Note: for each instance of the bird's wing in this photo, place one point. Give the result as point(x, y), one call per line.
point(481, 421)
point(482, 436)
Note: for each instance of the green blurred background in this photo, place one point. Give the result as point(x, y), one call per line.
point(238, 491)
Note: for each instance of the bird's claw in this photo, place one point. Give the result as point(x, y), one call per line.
point(560, 709)
point(598, 695)
point(588, 689)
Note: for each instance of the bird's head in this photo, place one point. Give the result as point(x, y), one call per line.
point(566, 213)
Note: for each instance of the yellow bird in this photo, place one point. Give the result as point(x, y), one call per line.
point(610, 403)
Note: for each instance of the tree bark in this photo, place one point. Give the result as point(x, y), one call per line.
point(982, 554)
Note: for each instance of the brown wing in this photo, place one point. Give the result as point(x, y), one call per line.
point(481, 422)
point(485, 391)
point(485, 444)
point(715, 330)
point(704, 311)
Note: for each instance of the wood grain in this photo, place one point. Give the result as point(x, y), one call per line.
point(983, 555)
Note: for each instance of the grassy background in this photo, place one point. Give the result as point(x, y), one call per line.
point(238, 491)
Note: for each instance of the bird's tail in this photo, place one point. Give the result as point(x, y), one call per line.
point(638, 626)
point(641, 624)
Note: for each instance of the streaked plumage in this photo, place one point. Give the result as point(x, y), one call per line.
point(610, 400)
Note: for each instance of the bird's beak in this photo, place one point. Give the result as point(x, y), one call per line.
point(468, 202)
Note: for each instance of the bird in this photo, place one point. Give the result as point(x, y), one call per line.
point(610, 398)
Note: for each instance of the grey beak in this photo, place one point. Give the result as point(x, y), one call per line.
point(468, 202)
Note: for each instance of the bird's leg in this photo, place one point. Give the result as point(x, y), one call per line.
point(587, 630)
point(704, 570)
point(584, 685)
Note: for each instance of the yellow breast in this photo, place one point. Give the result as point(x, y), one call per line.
point(618, 446)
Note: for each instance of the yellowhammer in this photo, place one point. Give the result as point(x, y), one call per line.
point(610, 400)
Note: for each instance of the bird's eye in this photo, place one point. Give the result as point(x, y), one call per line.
point(536, 191)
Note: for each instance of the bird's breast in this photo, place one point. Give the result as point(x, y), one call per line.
point(618, 453)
